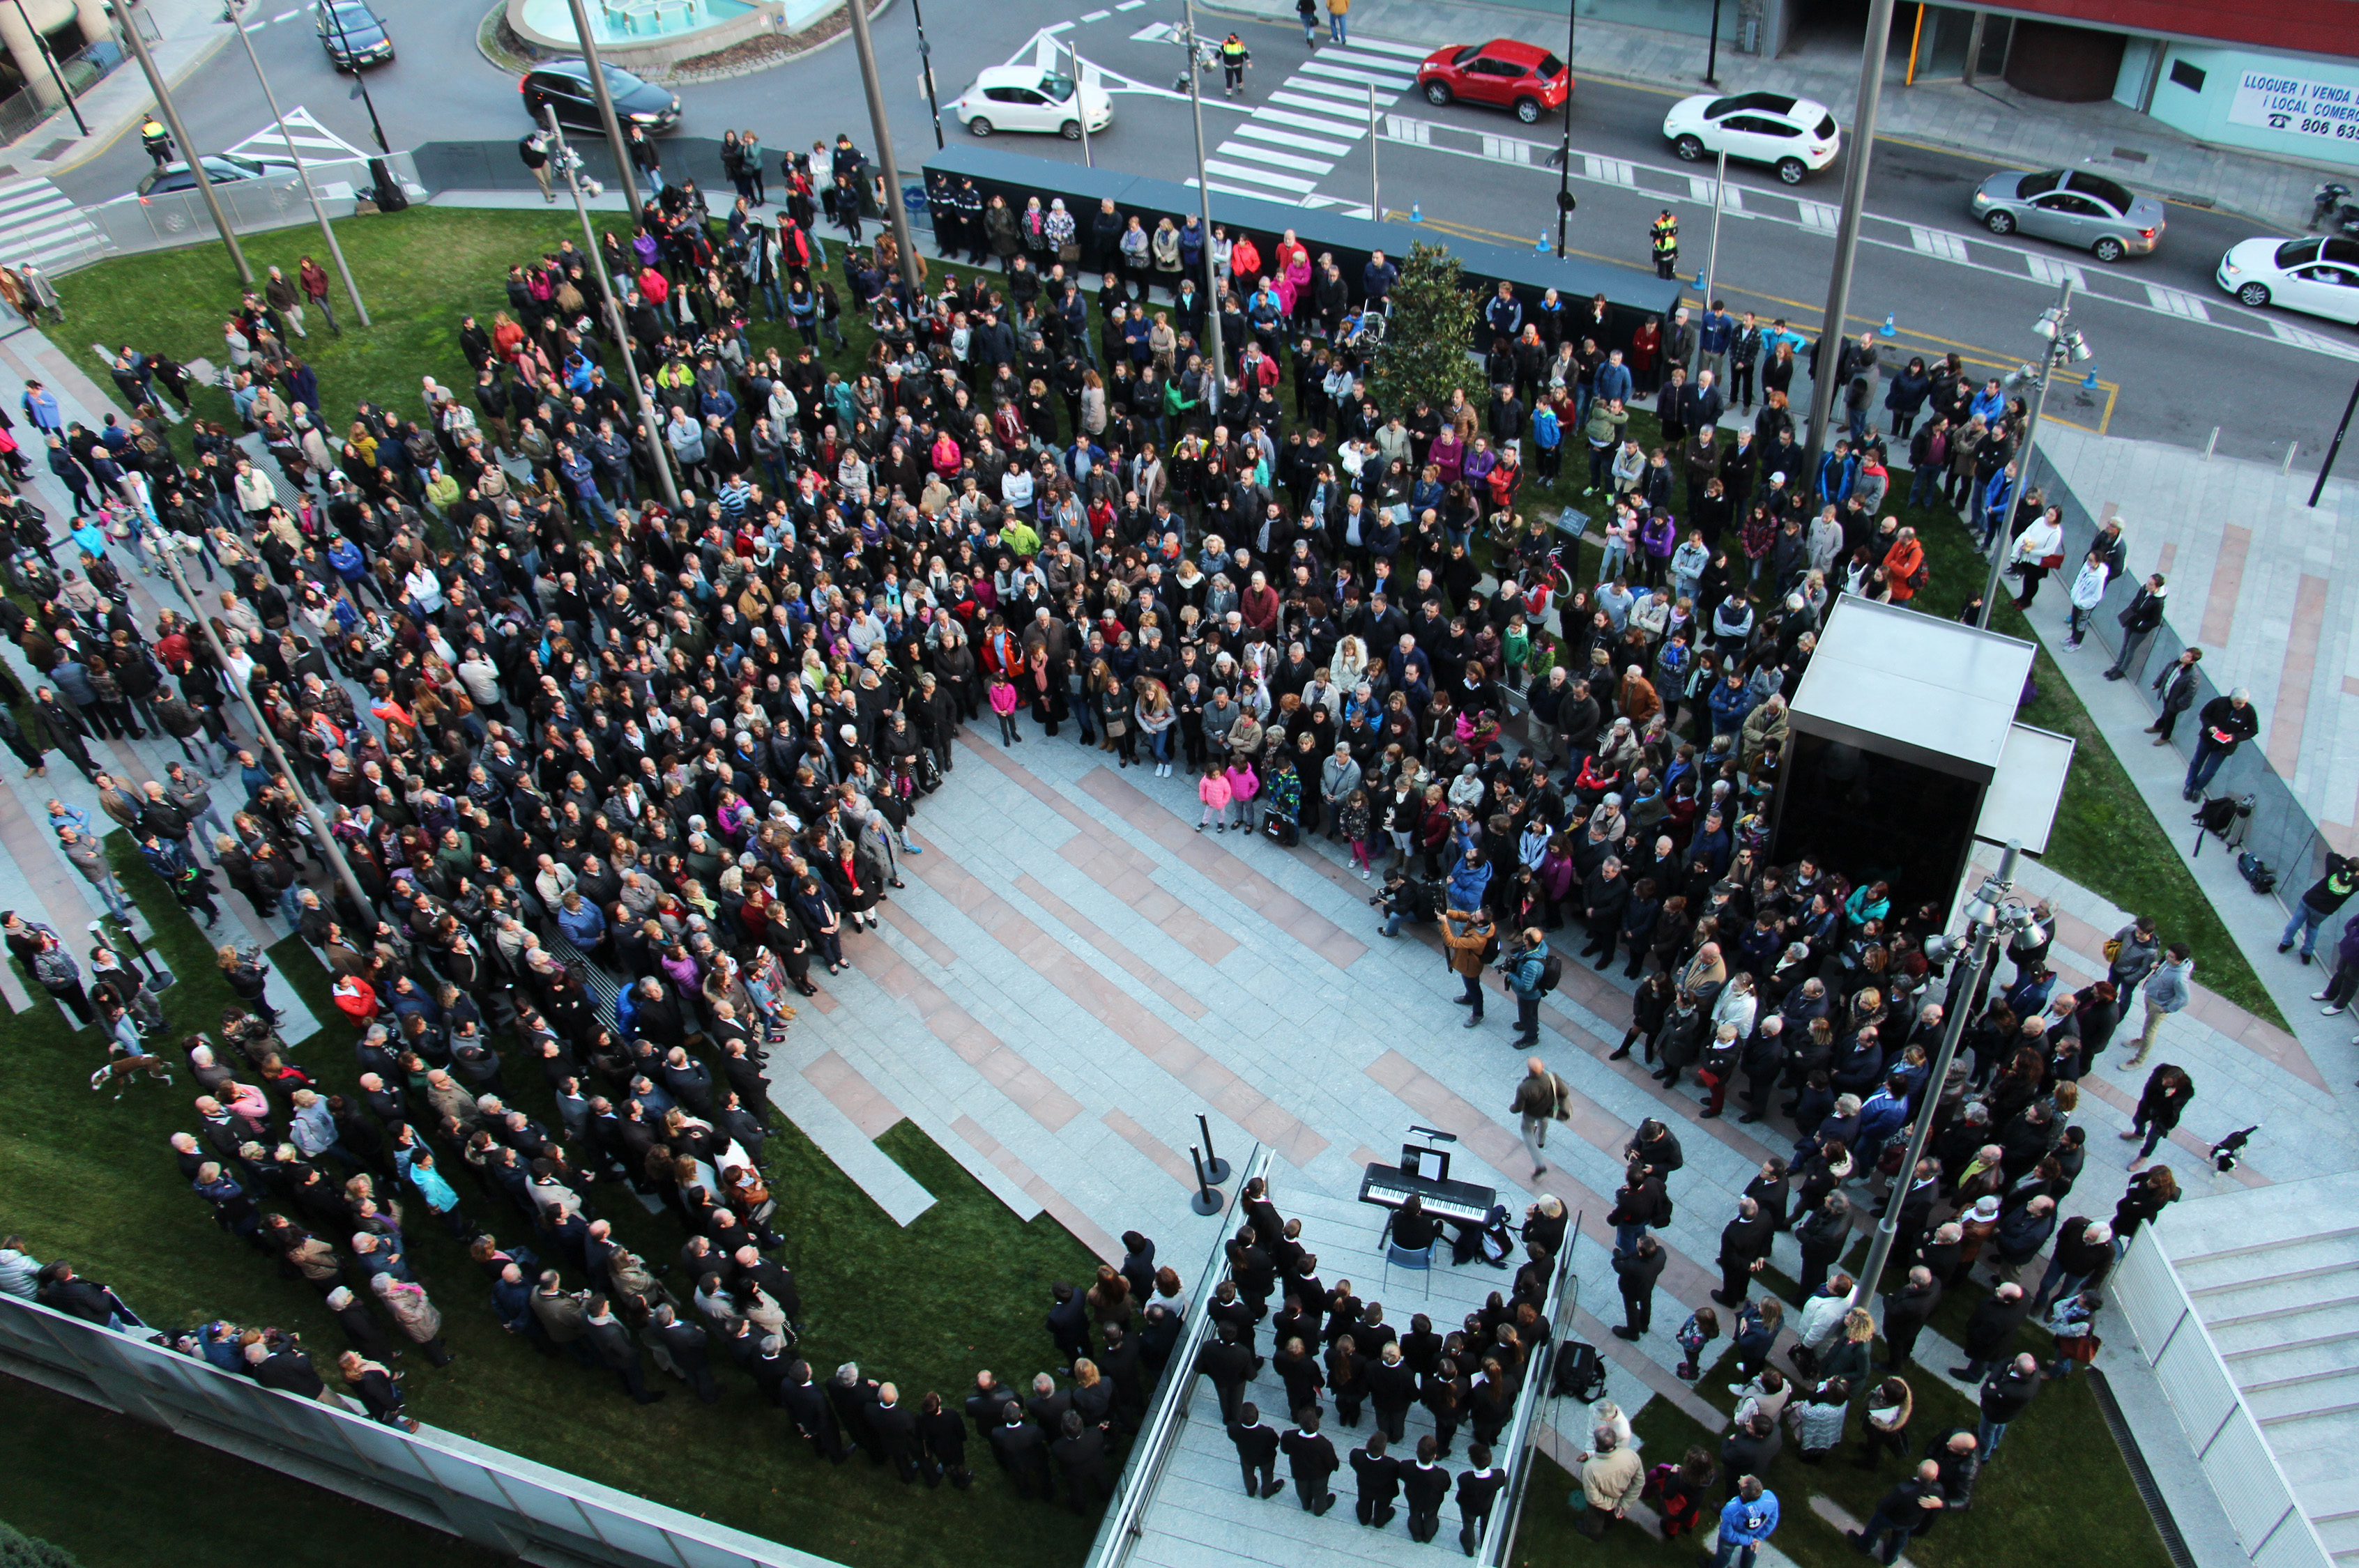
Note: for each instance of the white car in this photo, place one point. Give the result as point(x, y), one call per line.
point(1794, 135)
point(2320, 277)
point(1029, 98)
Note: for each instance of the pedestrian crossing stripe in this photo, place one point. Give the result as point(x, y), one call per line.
point(1347, 128)
point(1238, 147)
point(313, 142)
point(1413, 53)
point(1294, 139)
point(40, 224)
point(1262, 177)
point(1366, 79)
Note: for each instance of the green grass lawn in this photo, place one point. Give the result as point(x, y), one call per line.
point(964, 1287)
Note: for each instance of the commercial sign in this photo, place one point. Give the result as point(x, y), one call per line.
point(2297, 107)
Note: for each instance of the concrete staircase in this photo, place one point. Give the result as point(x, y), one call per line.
point(2276, 1283)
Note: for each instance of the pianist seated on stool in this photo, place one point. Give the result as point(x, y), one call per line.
point(1410, 1227)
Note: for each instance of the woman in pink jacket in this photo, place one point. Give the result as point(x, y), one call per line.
point(1003, 702)
point(1212, 789)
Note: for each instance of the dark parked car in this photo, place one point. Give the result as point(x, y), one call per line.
point(564, 84)
point(353, 35)
point(221, 169)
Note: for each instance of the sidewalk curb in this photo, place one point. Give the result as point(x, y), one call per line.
point(102, 140)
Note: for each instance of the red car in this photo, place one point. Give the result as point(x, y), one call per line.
point(1502, 73)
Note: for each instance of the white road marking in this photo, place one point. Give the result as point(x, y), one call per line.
point(1155, 32)
point(1820, 215)
point(1292, 139)
point(1406, 128)
point(2177, 302)
point(2295, 336)
point(1241, 191)
point(1096, 16)
point(1341, 91)
point(1259, 154)
point(1326, 126)
point(1415, 52)
point(1241, 171)
point(2044, 270)
point(288, 15)
point(1365, 78)
point(1935, 243)
point(1130, 4)
point(1506, 149)
point(1609, 170)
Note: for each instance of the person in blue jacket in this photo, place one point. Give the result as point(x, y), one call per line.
point(1749, 1518)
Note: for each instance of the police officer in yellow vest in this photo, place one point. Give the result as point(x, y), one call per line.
point(157, 140)
point(1666, 244)
point(1235, 58)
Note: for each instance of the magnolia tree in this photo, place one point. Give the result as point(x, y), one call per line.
point(1433, 326)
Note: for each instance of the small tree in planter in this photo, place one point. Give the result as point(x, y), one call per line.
point(1424, 355)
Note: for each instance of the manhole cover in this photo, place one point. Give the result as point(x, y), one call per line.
point(2129, 154)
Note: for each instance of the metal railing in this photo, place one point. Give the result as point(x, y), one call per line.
point(1119, 1530)
point(275, 201)
point(1523, 1433)
point(2245, 1473)
point(496, 1499)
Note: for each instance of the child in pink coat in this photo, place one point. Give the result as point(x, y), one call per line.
point(1003, 702)
point(1243, 784)
point(1212, 789)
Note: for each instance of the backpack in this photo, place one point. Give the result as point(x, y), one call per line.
point(1551, 972)
point(1579, 1373)
point(1491, 945)
point(2256, 873)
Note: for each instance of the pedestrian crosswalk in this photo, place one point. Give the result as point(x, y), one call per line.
point(40, 224)
point(1313, 120)
point(313, 141)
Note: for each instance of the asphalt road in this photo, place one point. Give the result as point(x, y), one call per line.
point(1469, 171)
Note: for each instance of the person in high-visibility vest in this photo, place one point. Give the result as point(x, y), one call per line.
point(1235, 58)
point(1665, 236)
point(157, 140)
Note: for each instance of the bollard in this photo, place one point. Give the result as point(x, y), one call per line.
point(1206, 1200)
point(1216, 1168)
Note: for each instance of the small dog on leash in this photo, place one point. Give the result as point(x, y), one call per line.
point(122, 1070)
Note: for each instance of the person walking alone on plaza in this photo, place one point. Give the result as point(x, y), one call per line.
point(2166, 993)
point(1540, 1098)
point(1234, 59)
point(2168, 1090)
point(1308, 11)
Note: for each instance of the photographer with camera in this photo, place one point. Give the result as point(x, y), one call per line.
point(1404, 899)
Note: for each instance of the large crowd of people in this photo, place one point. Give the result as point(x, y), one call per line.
point(615, 780)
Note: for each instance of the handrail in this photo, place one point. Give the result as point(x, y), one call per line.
point(1499, 1535)
point(1120, 1526)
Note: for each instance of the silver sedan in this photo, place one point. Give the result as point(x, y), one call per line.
point(2072, 207)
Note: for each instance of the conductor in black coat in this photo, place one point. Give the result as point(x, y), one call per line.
point(1312, 1459)
point(1257, 1452)
point(1638, 1271)
point(1378, 1474)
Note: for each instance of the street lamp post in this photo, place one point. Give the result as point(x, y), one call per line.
point(1375, 135)
point(567, 163)
point(50, 59)
point(896, 212)
point(926, 69)
point(2063, 345)
point(624, 175)
point(1081, 106)
point(335, 251)
point(139, 47)
point(1990, 911)
point(1863, 146)
point(1564, 153)
point(1711, 255)
point(360, 81)
point(1204, 207)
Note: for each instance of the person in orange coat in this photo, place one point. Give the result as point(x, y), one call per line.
point(1901, 565)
